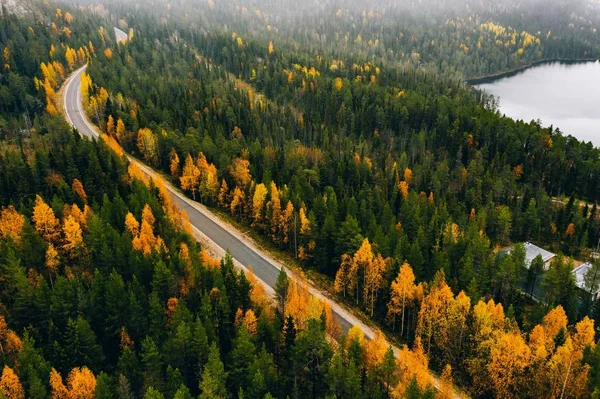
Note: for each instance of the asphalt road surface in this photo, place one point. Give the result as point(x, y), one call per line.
point(264, 269)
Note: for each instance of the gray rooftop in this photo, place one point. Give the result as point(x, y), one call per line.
point(580, 272)
point(533, 250)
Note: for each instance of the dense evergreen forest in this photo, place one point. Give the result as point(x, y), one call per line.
point(343, 135)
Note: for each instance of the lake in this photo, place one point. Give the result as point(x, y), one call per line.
point(566, 96)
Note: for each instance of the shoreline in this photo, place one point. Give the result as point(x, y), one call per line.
point(500, 75)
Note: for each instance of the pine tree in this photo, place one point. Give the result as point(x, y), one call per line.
point(214, 378)
point(152, 363)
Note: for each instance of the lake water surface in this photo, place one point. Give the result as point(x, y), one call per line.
point(566, 96)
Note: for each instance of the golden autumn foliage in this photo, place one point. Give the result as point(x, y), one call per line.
point(223, 196)
point(297, 300)
point(274, 206)
point(78, 189)
point(108, 53)
point(11, 224)
point(344, 280)
point(408, 173)
point(121, 131)
point(52, 260)
point(148, 146)
point(432, 322)
point(208, 183)
point(81, 384)
point(59, 391)
point(71, 57)
point(258, 295)
point(46, 224)
point(237, 201)
point(145, 240)
point(190, 175)
point(10, 343)
point(240, 172)
point(339, 84)
point(174, 163)
point(403, 188)
point(10, 386)
point(303, 306)
point(258, 203)
point(6, 56)
point(110, 126)
point(364, 263)
point(412, 365)
point(356, 334)
point(304, 221)
point(208, 261)
point(509, 356)
point(567, 374)
point(402, 293)
point(373, 281)
point(375, 349)
point(250, 322)
point(131, 224)
point(555, 321)
point(73, 236)
point(50, 98)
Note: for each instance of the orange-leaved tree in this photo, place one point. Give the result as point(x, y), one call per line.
point(10, 386)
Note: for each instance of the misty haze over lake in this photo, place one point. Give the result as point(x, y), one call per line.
point(566, 96)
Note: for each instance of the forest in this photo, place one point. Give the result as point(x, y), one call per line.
point(350, 143)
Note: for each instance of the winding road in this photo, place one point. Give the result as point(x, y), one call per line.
point(206, 226)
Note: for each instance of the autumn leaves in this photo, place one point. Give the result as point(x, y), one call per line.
point(361, 272)
point(63, 239)
point(144, 239)
point(197, 176)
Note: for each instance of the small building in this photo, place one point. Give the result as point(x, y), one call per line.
point(580, 272)
point(532, 251)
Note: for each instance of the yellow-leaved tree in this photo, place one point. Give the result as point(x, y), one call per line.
point(174, 163)
point(190, 176)
point(258, 203)
point(240, 172)
point(81, 384)
point(46, 224)
point(509, 357)
point(146, 143)
point(11, 224)
point(73, 235)
point(402, 293)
